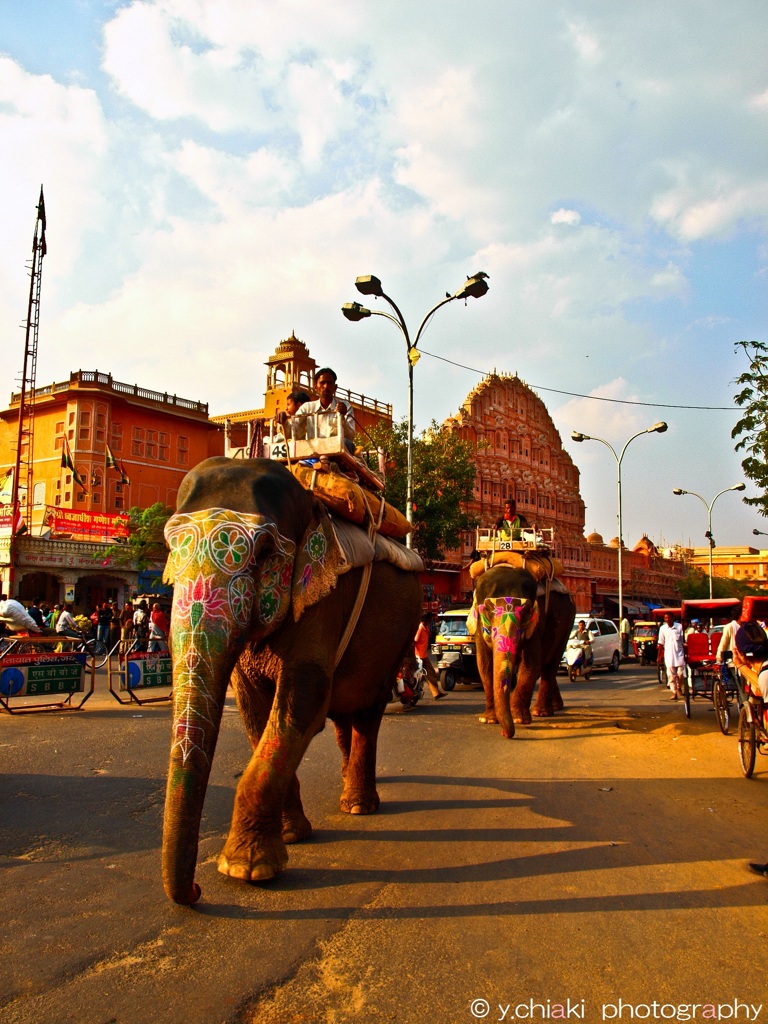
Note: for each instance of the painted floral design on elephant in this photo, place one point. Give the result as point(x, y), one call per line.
point(212, 566)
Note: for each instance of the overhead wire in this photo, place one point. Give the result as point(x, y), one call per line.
point(594, 398)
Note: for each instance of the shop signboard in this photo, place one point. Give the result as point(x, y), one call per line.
point(145, 669)
point(39, 675)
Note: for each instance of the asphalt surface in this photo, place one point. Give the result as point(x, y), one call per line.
point(598, 857)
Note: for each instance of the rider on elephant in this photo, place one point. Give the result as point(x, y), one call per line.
point(511, 523)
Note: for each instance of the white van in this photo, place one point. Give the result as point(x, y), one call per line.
point(606, 642)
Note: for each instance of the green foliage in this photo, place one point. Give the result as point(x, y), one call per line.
point(443, 479)
point(752, 428)
point(145, 547)
point(696, 585)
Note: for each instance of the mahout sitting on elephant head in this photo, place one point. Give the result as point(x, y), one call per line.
point(521, 627)
point(258, 601)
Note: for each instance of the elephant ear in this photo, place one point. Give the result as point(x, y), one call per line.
point(318, 561)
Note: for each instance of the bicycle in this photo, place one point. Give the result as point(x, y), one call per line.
point(89, 646)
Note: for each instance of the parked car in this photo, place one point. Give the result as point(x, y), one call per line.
point(606, 642)
point(453, 650)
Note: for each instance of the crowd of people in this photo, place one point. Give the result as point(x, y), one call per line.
point(138, 627)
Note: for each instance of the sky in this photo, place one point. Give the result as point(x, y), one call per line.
point(218, 172)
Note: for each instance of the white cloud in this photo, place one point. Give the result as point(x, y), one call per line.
point(563, 216)
point(259, 155)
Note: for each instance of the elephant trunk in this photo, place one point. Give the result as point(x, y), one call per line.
point(509, 622)
point(202, 663)
point(196, 719)
point(217, 589)
point(504, 680)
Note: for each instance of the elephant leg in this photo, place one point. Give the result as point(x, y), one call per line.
point(357, 735)
point(254, 701)
point(296, 825)
point(343, 726)
point(549, 699)
point(522, 695)
point(255, 848)
point(485, 669)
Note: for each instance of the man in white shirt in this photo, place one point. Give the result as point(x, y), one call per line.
point(624, 631)
point(320, 418)
point(727, 639)
point(15, 616)
point(66, 625)
point(672, 642)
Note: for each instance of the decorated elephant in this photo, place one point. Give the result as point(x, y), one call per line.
point(259, 601)
point(521, 632)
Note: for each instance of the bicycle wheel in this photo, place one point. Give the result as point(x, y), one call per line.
point(97, 650)
point(747, 743)
point(721, 705)
point(662, 674)
point(687, 696)
point(31, 647)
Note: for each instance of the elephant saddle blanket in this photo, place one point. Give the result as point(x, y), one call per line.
point(542, 567)
point(357, 548)
point(346, 498)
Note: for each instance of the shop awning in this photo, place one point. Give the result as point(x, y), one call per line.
point(632, 607)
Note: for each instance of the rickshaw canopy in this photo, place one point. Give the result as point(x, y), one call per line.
point(659, 613)
point(753, 607)
point(711, 608)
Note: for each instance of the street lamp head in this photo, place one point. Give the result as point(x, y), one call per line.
point(739, 487)
point(354, 311)
point(474, 287)
point(369, 285)
point(678, 491)
point(657, 428)
point(576, 436)
point(759, 533)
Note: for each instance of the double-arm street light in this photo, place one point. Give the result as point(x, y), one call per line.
point(474, 287)
point(657, 428)
point(736, 487)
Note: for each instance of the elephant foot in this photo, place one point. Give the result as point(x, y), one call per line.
point(253, 860)
point(296, 826)
point(509, 733)
point(489, 718)
point(521, 716)
point(543, 712)
point(359, 801)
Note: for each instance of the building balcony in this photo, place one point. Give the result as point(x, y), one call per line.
point(94, 379)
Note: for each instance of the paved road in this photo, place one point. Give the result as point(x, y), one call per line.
point(600, 856)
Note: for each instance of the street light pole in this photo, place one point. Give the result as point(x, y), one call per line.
point(474, 287)
point(657, 428)
point(736, 487)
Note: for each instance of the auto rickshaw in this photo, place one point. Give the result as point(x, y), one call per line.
point(644, 636)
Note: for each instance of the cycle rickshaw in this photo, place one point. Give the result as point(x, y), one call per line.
point(704, 677)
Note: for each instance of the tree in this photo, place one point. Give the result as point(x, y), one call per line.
point(695, 586)
point(145, 547)
point(752, 428)
point(443, 480)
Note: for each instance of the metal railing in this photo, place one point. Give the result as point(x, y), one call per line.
point(105, 381)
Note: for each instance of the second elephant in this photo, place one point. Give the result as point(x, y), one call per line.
point(520, 638)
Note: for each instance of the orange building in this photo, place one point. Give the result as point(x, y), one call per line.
point(290, 367)
point(155, 438)
point(650, 577)
point(520, 455)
